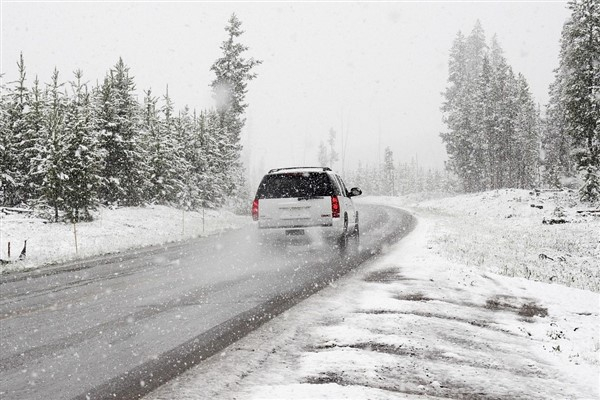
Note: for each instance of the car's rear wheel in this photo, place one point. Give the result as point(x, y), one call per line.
point(343, 239)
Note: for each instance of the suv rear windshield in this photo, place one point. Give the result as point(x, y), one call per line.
point(297, 184)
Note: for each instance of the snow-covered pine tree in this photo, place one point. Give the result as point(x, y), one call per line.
point(53, 153)
point(527, 146)
point(466, 59)
point(503, 100)
point(151, 133)
point(219, 151)
point(323, 157)
point(556, 143)
point(6, 159)
point(200, 161)
point(15, 140)
point(186, 150)
point(483, 105)
point(484, 130)
point(125, 169)
point(162, 147)
point(174, 139)
point(580, 61)
point(389, 172)
point(232, 73)
point(402, 178)
point(475, 50)
point(28, 133)
point(38, 136)
point(333, 155)
point(477, 107)
point(83, 160)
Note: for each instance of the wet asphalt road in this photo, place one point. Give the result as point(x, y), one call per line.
point(120, 326)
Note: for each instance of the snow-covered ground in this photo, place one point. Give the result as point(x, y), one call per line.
point(112, 230)
point(504, 232)
point(434, 317)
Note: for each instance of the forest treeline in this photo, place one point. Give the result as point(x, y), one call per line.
point(496, 136)
point(401, 178)
point(69, 146)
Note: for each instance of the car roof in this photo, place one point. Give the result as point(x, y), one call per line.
point(299, 169)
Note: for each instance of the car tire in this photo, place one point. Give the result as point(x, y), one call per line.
point(343, 239)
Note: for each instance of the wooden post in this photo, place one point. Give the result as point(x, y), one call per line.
point(9, 250)
point(75, 234)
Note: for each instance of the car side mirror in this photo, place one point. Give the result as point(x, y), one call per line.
point(354, 192)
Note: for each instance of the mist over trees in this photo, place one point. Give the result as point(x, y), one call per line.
point(233, 72)
point(493, 124)
point(328, 157)
point(69, 146)
point(400, 178)
point(495, 136)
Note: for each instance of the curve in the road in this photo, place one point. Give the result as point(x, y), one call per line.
point(144, 293)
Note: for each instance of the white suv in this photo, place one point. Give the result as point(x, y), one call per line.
point(303, 200)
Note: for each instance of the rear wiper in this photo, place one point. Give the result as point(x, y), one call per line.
point(309, 198)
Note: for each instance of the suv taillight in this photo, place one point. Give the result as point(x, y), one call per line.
point(255, 210)
point(335, 207)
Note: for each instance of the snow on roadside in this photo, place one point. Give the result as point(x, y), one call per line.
point(414, 324)
point(112, 230)
point(503, 231)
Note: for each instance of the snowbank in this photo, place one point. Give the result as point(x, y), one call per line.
point(112, 230)
point(535, 235)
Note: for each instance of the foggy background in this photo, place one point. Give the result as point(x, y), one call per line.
point(372, 71)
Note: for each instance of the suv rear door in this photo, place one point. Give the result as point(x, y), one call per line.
point(295, 199)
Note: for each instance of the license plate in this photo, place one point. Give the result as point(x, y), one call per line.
point(294, 232)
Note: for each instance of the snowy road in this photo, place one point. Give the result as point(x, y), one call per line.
point(125, 324)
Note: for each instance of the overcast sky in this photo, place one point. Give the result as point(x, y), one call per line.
point(376, 68)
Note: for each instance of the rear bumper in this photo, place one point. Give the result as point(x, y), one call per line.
point(330, 230)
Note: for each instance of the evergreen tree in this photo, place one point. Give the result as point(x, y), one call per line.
point(503, 100)
point(556, 143)
point(579, 77)
point(200, 160)
point(475, 50)
point(152, 138)
point(333, 155)
point(218, 152)
point(323, 157)
point(163, 150)
point(37, 140)
point(53, 153)
point(83, 161)
point(526, 154)
point(232, 73)
point(188, 154)
point(15, 140)
point(124, 173)
point(484, 130)
point(388, 172)
point(464, 69)
point(6, 158)
point(492, 138)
